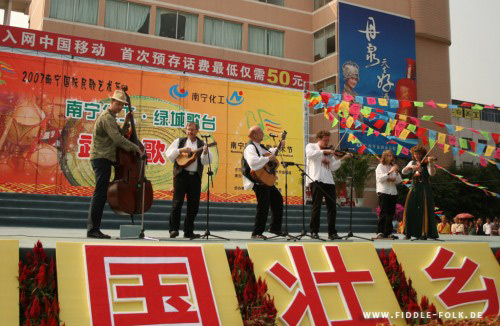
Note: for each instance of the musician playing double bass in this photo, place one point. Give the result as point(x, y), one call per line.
point(254, 159)
point(106, 137)
point(187, 180)
point(320, 165)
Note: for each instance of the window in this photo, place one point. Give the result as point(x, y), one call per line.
point(320, 3)
point(490, 115)
point(265, 41)
point(328, 85)
point(275, 2)
point(482, 141)
point(176, 24)
point(80, 11)
point(324, 42)
point(127, 16)
point(222, 33)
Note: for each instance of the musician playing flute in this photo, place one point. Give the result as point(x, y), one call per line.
point(187, 180)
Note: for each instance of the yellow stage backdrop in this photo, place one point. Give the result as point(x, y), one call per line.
point(318, 284)
point(48, 108)
point(131, 284)
point(461, 279)
point(9, 284)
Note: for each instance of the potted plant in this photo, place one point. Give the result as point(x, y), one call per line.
point(360, 169)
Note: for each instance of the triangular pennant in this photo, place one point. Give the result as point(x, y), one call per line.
point(411, 127)
point(495, 137)
point(431, 103)
point(472, 145)
point(459, 128)
point(489, 150)
point(480, 148)
point(379, 124)
point(399, 149)
point(370, 131)
point(361, 149)
point(391, 115)
point(421, 132)
point(427, 117)
point(335, 122)
point(424, 140)
point(440, 124)
point(450, 128)
point(446, 148)
point(485, 134)
point(442, 105)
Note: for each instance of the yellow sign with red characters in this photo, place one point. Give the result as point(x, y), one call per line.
point(321, 284)
point(129, 284)
point(461, 279)
point(49, 108)
point(9, 284)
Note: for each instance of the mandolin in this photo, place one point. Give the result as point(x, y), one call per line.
point(267, 175)
point(185, 159)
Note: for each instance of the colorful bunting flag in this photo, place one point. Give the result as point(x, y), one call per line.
point(382, 102)
point(427, 117)
point(371, 100)
point(404, 134)
point(418, 104)
point(394, 104)
point(489, 150)
point(441, 138)
point(431, 103)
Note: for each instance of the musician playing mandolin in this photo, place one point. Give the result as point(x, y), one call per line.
point(187, 179)
point(106, 137)
point(255, 157)
point(320, 165)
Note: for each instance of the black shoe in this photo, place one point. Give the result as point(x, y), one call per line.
point(174, 234)
point(423, 237)
point(333, 236)
point(97, 234)
point(192, 235)
point(278, 233)
point(314, 235)
point(258, 236)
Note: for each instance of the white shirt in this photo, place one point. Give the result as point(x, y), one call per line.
point(316, 170)
point(255, 161)
point(383, 185)
point(487, 228)
point(173, 152)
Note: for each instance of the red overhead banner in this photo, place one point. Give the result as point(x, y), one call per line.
point(102, 50)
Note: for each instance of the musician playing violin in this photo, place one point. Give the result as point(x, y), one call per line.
point(321, 162)
point(106, 137)
point(418, 216)
point(187, 180)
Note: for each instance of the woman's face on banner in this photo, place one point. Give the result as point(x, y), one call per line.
point(352, 81)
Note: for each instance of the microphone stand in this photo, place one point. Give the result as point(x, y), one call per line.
point(304, 232)
point(285, 233)
point(210, 179)
point(350, 234)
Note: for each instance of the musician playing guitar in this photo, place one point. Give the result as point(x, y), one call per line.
point(255, 157)
point(187, 179)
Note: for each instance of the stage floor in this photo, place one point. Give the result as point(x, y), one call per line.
point(29, 236)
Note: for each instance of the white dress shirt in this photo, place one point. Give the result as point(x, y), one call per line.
point(255, 161)
point(487, 228)
point(173, 152)
point(383, 185)
point(315, 169)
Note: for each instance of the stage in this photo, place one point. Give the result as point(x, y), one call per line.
point(49, 237)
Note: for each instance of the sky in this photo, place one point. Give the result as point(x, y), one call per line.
point(474, 50)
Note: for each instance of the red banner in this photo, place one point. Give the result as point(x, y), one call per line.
point(102, 50)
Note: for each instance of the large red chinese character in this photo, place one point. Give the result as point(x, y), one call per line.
point(188, 301)
point(154, 149)
point(307, 297)
point(84, 142)
point(453, 296)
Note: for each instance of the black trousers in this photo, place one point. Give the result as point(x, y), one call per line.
point(268, 197)
point(102, 171)
point(317, 199)
point(387, 204)
point(185, 183)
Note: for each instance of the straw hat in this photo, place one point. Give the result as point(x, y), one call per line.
point(119, 95)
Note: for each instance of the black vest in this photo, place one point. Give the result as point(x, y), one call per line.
point(199, 166)
point(245, 168)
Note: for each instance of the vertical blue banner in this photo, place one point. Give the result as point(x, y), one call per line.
point(377, 59)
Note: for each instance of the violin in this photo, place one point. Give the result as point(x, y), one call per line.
point(130, 192)
point(426, 160)
point(336, 152)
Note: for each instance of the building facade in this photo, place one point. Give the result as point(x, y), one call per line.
point(295, 35)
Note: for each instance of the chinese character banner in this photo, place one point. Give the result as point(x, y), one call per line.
point(377, 59)
point(316, 284)
point(145, 285)
point(48, 108)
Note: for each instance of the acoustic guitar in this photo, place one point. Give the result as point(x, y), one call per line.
point(185, 159)
point(267, 175)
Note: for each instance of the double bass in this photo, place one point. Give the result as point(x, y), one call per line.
point(130, 192)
